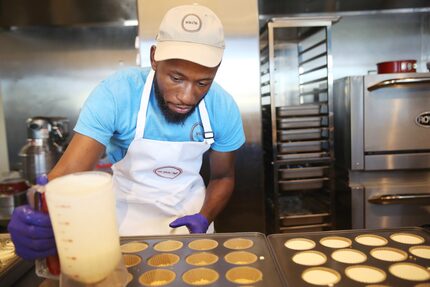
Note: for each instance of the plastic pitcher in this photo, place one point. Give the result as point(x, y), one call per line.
point(82, 210)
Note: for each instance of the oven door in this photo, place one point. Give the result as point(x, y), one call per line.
point(396, 206)
point(397, 121)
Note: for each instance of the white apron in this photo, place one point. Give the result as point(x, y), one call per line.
point(159, 181)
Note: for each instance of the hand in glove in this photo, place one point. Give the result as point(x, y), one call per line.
point(195, 223)
point(31, 233)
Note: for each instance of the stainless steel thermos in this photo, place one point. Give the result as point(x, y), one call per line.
point(46, 137)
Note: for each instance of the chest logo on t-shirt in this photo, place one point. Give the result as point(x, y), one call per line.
point(196, 133)
point(168, 171)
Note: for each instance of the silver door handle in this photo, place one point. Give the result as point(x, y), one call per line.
point(392, 82)
point(418, 198)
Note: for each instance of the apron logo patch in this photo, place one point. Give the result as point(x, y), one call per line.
point(196, 133)
point(168, 171)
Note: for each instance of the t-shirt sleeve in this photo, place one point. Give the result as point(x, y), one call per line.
point(97, 116)
point(229, 134)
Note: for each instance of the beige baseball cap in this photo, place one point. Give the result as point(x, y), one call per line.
point(193, 33)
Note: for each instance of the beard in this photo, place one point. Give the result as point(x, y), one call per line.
point(171, 116)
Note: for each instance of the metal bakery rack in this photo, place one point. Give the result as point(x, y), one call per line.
point(296, 91)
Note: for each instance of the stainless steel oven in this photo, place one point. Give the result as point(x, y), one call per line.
point(382, 149)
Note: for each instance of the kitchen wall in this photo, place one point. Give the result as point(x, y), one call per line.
point(49, 71)
point(361, 40)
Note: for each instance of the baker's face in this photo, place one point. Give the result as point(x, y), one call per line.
point(180, 85)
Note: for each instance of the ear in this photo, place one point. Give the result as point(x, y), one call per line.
point(152, 57)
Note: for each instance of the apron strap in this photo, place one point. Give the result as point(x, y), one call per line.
point(208, 135)
point(144, 100)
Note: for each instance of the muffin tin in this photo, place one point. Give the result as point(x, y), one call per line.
point(384, 257)
point(220, 259)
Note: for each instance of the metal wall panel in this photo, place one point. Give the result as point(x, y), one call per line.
point(361, 41)
point(48, 71)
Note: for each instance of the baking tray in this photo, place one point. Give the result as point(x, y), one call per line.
point(302, 184)
point(300, 203)
point(302, 146)
point(301, 110)
point(302, 172)
point(265, 262)
point(302, 134)
point(292, 271)
point(307, 208)
point(305, 228)
point(303, 219)
point(309, 157)
point(302, 122)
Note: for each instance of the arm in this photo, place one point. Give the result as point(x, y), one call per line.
point(218, 192)
point(221, 183)
point(82, 154)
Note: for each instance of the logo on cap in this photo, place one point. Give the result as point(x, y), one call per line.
point(191, 23)
point(196, 133)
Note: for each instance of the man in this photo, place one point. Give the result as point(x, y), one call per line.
point(155, 125)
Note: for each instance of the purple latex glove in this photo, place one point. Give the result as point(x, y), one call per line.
point(195, 223)
point(32, 234)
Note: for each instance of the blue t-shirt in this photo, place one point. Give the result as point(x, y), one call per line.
point(109, 116)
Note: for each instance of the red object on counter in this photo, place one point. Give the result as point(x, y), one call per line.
point(53, 262)
point(12, 186)
point(401, 66)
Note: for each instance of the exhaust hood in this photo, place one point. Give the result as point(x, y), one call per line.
point(21, 13)
point(293, 7)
